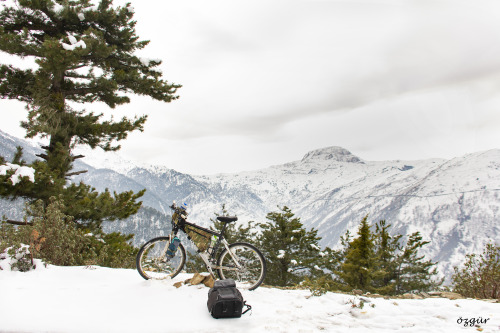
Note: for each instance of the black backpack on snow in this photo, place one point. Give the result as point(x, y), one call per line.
point(225, 300)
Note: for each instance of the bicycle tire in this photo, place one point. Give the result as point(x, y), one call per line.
point(152, 262)
point(253, 266)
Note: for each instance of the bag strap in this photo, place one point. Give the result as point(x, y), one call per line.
point(249, 307)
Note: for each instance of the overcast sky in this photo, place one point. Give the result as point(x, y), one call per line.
point(264, 82)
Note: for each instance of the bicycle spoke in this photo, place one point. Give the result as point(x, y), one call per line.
point(153, 263)
point(244, 265)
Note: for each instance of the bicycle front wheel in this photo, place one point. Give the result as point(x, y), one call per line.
point(153, 263)
point(243, 263)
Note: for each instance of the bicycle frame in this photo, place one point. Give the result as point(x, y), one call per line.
point(208, 258)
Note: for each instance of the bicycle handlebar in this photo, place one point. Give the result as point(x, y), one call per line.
point(179, 210)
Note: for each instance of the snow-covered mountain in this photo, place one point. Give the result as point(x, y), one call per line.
point(453, 203)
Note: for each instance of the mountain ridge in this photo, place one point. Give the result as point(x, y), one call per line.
point(335, 153)
point(453, 202)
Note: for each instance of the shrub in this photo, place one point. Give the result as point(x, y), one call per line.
point(480, 278)
point(319, 286)
point(20, 258)
point(56, 239)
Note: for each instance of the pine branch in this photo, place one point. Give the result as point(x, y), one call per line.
point(76, 173)
point(82, 65)
point(44, 156)
point(78, 76)
point(82, 91)
point(295, 269)
point(17, 222)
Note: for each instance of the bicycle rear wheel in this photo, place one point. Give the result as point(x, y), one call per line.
point(245, 265)
point(153, 263)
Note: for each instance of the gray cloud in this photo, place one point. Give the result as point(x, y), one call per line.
point(264, 72)
point(275, 75)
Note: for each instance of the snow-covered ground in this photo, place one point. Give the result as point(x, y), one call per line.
point(79, 299)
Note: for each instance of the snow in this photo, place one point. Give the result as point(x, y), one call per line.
point(281, 254)
point(4, 169)
point(74, 42)
point(97, 299)
point(81, 16)
point(21, 171)
point(71, 47)
point(57, 7)
point(147, 61)
point(314, 246)
point(20, 252)
point(72, 39)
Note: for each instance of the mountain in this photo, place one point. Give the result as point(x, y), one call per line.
point(453, 203)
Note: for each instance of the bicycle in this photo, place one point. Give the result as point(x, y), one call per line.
point(164, 257)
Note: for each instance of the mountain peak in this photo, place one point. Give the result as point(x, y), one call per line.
point(332, 153)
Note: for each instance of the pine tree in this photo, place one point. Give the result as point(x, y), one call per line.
point(413, 273)
point(386, 248)
point(358, 266)
point(381, 263)
point(290, 250)
point(83, 54)
point(115, 250)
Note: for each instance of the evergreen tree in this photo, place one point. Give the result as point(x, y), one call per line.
point(386, 248)
point(83, 54)
point(88, 207)
point(412, 271)
point(381, 263)
point(290, 250)
point(194, 264)
point(357, 268)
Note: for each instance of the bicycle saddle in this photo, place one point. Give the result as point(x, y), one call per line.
point(227, 219)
